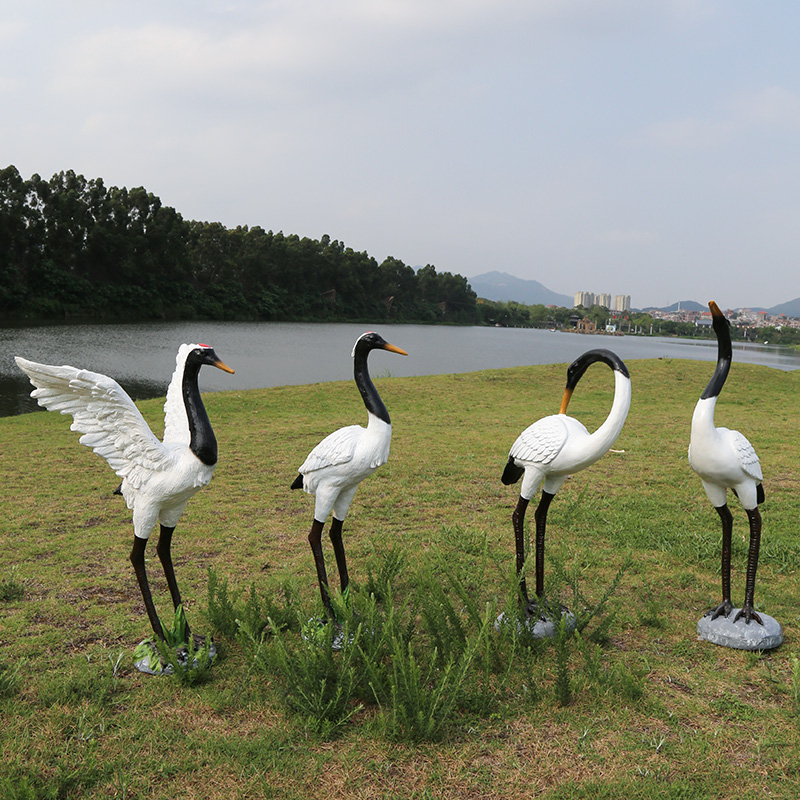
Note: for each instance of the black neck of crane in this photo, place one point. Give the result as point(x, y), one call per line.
point(203, 442)
point(369, 393)
point(724, 356)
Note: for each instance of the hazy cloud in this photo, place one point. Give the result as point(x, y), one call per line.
point(549, 138)
point(628, 237)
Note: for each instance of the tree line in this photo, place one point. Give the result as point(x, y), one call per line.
point(72, 248)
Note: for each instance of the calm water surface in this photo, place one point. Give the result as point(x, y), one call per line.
point(142, 357)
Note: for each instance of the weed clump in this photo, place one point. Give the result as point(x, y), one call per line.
point(425, 667)
point(11, 588)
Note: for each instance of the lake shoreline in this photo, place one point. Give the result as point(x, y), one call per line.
point(142, 357)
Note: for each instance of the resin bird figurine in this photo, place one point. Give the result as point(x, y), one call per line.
point(335, 467)
point(158, 478)
point(553, 448)
point(725, 459)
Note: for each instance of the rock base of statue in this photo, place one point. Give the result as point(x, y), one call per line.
point(541, 622)
point(741, 635)
point(147, 659)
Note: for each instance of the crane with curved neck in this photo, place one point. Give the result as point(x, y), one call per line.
point(551, 449)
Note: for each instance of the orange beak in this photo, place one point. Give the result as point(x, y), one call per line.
point(565, 401)
point(223, 366)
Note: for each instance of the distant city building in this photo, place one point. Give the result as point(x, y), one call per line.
point(622, 302)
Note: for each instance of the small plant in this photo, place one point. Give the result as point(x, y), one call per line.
point(317, 681)
point(18, 788)
point(587, 610)
point(626, 682)
point(178, 654)
point(87, 732)
point(651, 614)
point(795, 692)
point(443, 621)
point(11, 588)
point(228, 614)
point(10, 678)
point(115, 670)
point(380, 585)
point(563, 684)
point(424, 697)
point(222, 612)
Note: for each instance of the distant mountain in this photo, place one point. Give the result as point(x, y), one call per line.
point(683, 305)
point(502, 287)
point(791, 309)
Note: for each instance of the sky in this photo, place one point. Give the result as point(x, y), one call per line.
point(641, 147)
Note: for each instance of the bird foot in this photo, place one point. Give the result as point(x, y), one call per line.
point(748, 612)
point(722, 610)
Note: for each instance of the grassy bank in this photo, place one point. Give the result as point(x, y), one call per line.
point(635, 706)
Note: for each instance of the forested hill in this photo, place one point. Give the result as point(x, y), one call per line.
point(71, 248)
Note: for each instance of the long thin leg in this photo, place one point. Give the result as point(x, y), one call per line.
point(338, 549)
point(747, 611)
point(164, 550)
point(540, 515)
point(137, 559)
point(315, 540)
point(726, 606)
point(518, 520)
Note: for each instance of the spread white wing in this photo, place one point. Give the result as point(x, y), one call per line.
point(106, 416)
point(541, 442)
point(336, 448)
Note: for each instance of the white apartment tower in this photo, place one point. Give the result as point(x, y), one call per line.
point(603, 299)
point(622, 302)
point(585, 299)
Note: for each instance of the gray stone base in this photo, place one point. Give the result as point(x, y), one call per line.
point(539, 628)
point(740, 634)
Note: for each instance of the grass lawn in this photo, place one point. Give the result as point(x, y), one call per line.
point(428, 701)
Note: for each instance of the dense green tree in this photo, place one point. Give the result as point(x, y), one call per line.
point(15, 240)
point(73, 248)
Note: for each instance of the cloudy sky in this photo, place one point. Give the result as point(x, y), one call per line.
point(642, 147)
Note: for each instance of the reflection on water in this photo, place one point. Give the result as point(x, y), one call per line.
point(142, 357)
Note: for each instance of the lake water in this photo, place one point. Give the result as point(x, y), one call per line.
point(142, 357)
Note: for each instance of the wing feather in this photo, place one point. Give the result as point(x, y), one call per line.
point(541, 442)
point(336, 448)
point(747, 456)
point(104, 414)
